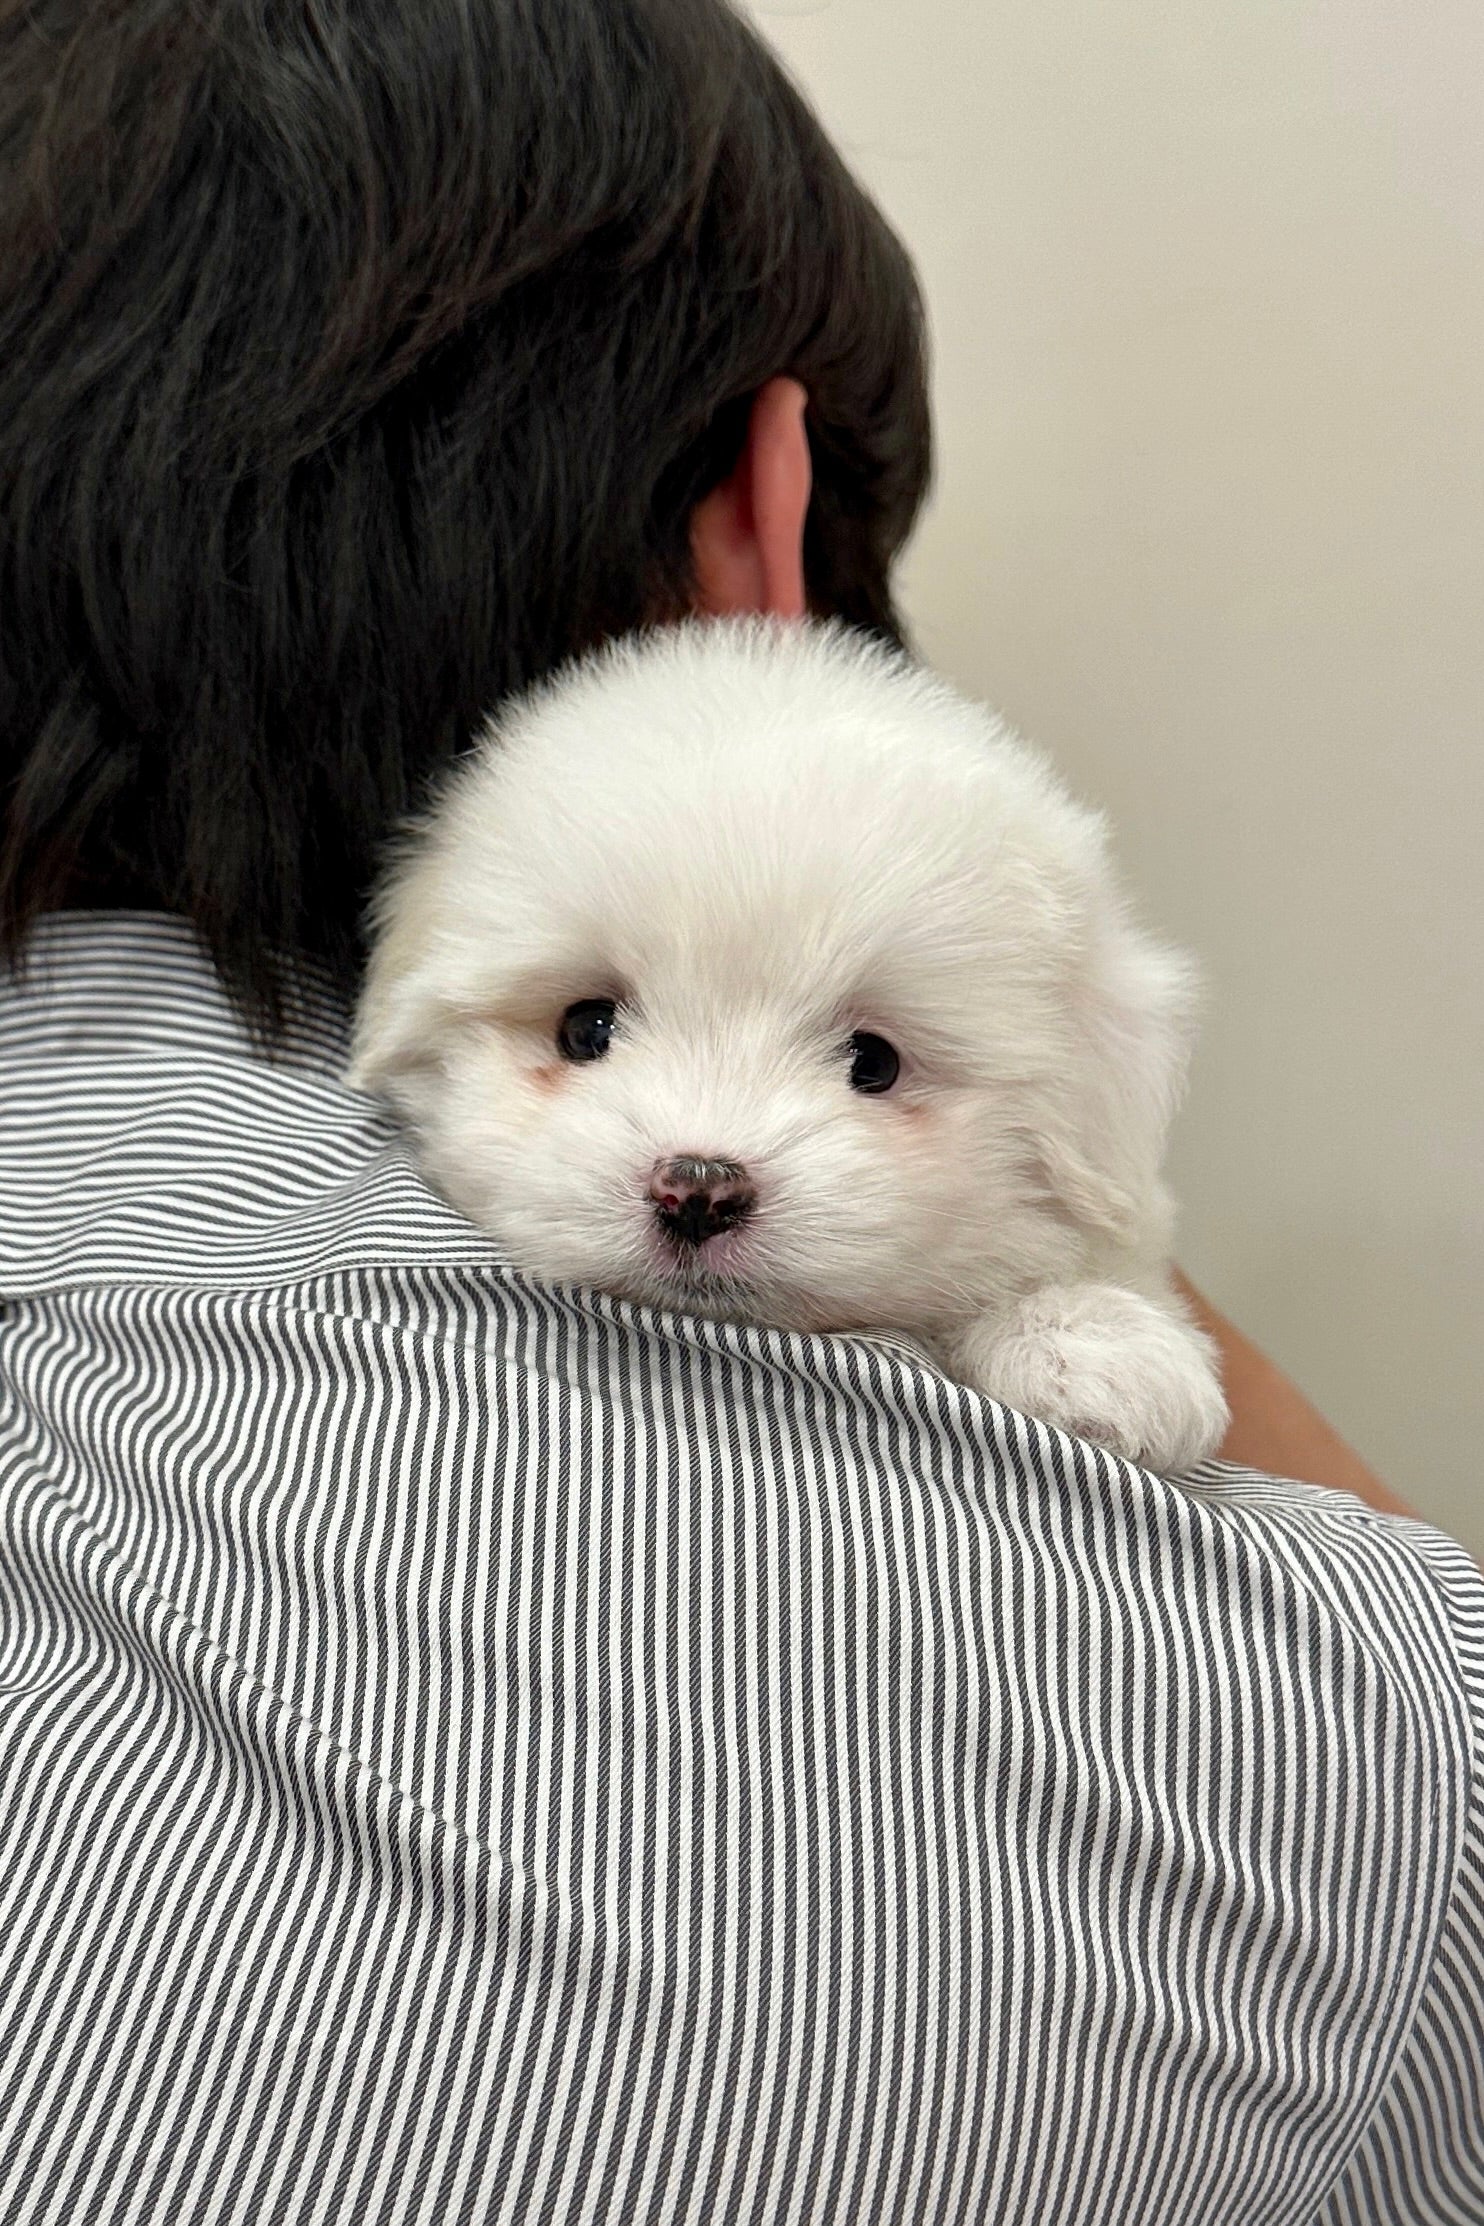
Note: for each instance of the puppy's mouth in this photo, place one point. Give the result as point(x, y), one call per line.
point(696, 1264)
point(729, 1277)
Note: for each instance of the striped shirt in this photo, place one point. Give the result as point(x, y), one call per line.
point(472, 1751)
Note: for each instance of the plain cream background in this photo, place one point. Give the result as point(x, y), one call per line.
point(1206, 289)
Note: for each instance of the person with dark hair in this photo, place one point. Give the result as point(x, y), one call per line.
point(472, 1750)
point(358, 363)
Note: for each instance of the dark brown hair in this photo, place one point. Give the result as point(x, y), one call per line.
point(359, 361)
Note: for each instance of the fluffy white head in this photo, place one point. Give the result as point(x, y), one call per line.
point(758, 842)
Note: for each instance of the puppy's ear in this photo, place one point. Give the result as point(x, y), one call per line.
point(400, 1025)
point(1133, 1020)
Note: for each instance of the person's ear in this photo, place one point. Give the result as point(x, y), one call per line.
point(747, 535)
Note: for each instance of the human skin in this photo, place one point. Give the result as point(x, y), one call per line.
point(1273, 1426)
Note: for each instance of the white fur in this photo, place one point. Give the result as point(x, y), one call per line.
point(759, 839)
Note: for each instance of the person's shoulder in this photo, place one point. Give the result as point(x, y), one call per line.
point(147, 1140)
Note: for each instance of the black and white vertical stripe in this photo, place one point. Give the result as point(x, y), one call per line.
point(470, 1752)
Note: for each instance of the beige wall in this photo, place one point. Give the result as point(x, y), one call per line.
point(1207, 293)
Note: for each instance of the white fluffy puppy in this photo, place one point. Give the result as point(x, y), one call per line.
point(747, 969)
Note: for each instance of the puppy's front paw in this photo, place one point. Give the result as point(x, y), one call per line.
point(1106, 1364)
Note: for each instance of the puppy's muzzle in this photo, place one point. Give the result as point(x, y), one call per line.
point(695, 1199)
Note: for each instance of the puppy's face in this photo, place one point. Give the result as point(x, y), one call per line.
point(687, 1115)
point(754, 975)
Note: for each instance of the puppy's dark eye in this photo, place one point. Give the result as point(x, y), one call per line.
point(586, 1028)
point(874, 1066)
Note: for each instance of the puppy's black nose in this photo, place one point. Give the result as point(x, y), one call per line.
point(699, 1198)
